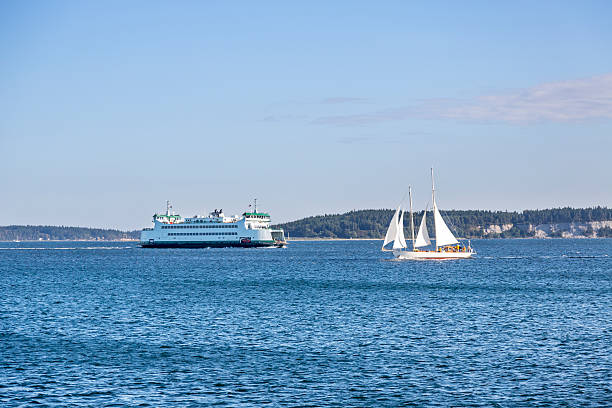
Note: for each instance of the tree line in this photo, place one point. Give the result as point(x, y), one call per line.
point(47, 232)
point(362, 224)
point(464, 223)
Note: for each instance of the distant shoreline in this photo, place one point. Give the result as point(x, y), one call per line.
point(72, 240)
point(332, 239)
point(372, 225)
point(301, 239)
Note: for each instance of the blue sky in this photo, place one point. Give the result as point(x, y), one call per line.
point(110, 108)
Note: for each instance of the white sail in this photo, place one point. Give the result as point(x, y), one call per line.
point(392, 230)
point(401, 240)
point(443, 235)
point(422, 238)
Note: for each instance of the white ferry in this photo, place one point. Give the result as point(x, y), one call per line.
point(252, 229)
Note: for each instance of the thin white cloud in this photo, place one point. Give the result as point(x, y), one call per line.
point(561, 101)
point(368, 139)
point(343, 99)
point(280, 118)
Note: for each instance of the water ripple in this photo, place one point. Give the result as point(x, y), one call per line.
point(526, 323)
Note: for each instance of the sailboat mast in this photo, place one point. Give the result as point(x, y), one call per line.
point(411, 219)
point(433, 200)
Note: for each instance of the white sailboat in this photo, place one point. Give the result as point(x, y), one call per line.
point(446, 245)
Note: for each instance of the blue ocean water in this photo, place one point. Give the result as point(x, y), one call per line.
point(526, 323)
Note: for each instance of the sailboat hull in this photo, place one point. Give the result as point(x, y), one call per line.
point(423, 255)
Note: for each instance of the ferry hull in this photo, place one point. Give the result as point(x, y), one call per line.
point(425, 255)
point(253, 244)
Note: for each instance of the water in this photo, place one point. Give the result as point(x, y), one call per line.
point(527, 323)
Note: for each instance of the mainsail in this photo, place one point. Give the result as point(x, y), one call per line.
point(392, 230)
point(443, 235)
point(422, 238)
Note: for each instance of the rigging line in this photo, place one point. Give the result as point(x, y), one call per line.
point(450, 222)
point(404, 197)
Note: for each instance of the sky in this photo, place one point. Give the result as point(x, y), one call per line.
point(108, 109)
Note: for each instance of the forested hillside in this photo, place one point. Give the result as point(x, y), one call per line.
point(40, 232)
point(465, 223)
point(557, 222)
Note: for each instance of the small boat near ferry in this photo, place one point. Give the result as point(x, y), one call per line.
point(252, 229)
point(446, 245)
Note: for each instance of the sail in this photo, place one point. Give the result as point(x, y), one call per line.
point(422, 238)
point(443, 235)
point(392, 230)
point(401, 241)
